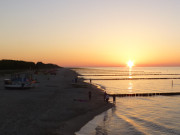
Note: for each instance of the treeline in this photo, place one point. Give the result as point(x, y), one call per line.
point(21, 65)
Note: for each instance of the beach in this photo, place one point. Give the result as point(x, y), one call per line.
point(53, 107)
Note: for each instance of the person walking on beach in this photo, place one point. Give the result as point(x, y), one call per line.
point(89, 95)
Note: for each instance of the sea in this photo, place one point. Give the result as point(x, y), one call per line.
point(149, 115)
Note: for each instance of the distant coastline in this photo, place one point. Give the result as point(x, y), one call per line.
point(23, 65)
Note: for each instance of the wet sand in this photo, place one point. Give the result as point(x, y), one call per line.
point(54, 107)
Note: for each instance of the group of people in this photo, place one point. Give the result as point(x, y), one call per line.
point(106, 97)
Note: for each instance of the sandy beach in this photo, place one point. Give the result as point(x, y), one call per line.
point(53, 107)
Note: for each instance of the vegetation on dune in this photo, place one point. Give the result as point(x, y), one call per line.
point(21, 65)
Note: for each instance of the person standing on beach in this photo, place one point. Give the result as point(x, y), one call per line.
point(76, 79)
point(105, 96)
point(89, 95)
point(114, 98)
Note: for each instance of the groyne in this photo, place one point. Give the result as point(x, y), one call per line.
point(146, 94)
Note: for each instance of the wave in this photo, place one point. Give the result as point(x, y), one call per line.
point(100, 86)
point(145, 126)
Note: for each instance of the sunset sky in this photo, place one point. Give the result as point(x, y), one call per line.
point(91, 32)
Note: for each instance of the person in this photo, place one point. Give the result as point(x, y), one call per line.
point(114, 98)
point(90, 80)
point(107, 98)
point(76, 79)
point(89, 95)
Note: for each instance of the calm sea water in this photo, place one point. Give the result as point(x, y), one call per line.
point(136, 115)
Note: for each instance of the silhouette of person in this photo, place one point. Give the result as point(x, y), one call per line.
point(114, 98)
point(107, 98)
point(76, 80)
point(105, 95)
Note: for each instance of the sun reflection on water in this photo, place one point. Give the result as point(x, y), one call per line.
point(130, 86)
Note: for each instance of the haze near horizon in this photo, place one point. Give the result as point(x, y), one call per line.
point(91, 33)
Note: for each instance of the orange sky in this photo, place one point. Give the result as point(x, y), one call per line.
point(91, 33)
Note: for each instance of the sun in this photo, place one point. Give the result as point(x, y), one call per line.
point(130, 64)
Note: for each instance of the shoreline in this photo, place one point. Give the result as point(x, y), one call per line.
point(54, 107)
point(73, 125)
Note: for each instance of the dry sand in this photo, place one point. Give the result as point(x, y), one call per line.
point(49, 109)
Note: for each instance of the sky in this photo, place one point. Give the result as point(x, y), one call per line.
point(76, 33)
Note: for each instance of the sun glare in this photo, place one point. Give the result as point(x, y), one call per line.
point(130, 63)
